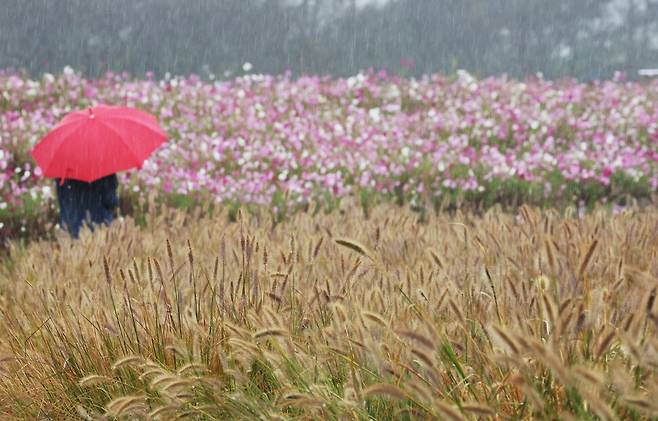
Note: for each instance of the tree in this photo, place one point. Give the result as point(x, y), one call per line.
point(582, 38)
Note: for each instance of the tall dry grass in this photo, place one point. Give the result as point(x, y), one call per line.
point(533, 315)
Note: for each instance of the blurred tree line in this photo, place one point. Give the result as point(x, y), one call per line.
point(587, 39)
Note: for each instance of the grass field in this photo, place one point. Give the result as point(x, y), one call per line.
point(498, 316)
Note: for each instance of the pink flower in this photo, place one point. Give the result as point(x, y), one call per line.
point(244, 139)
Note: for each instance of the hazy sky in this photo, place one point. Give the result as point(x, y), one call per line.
point(366, 2)
point(359, 3)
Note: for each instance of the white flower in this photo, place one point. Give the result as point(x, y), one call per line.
point(247, 67)
point(375, 114)
point(393, 92)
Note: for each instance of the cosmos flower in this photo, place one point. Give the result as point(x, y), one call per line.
point(257, 136)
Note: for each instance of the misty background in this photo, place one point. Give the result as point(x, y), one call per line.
point(587, 39)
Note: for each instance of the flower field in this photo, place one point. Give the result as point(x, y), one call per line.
point(375, 311)
point(280, 142)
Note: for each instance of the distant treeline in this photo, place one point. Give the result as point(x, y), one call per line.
point(587, 39)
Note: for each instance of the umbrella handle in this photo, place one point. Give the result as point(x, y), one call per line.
point(61, 180)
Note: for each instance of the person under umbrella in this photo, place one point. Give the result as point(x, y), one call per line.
point(91, 203)
point(86, 150)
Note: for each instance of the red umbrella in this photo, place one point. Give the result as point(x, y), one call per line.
point(90, 144)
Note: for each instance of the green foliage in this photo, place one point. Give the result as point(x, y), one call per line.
point(29, 220)
point(279, 206)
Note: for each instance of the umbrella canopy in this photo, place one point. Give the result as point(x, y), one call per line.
point(90, 144)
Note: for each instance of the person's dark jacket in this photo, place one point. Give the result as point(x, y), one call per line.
point(92, 203)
